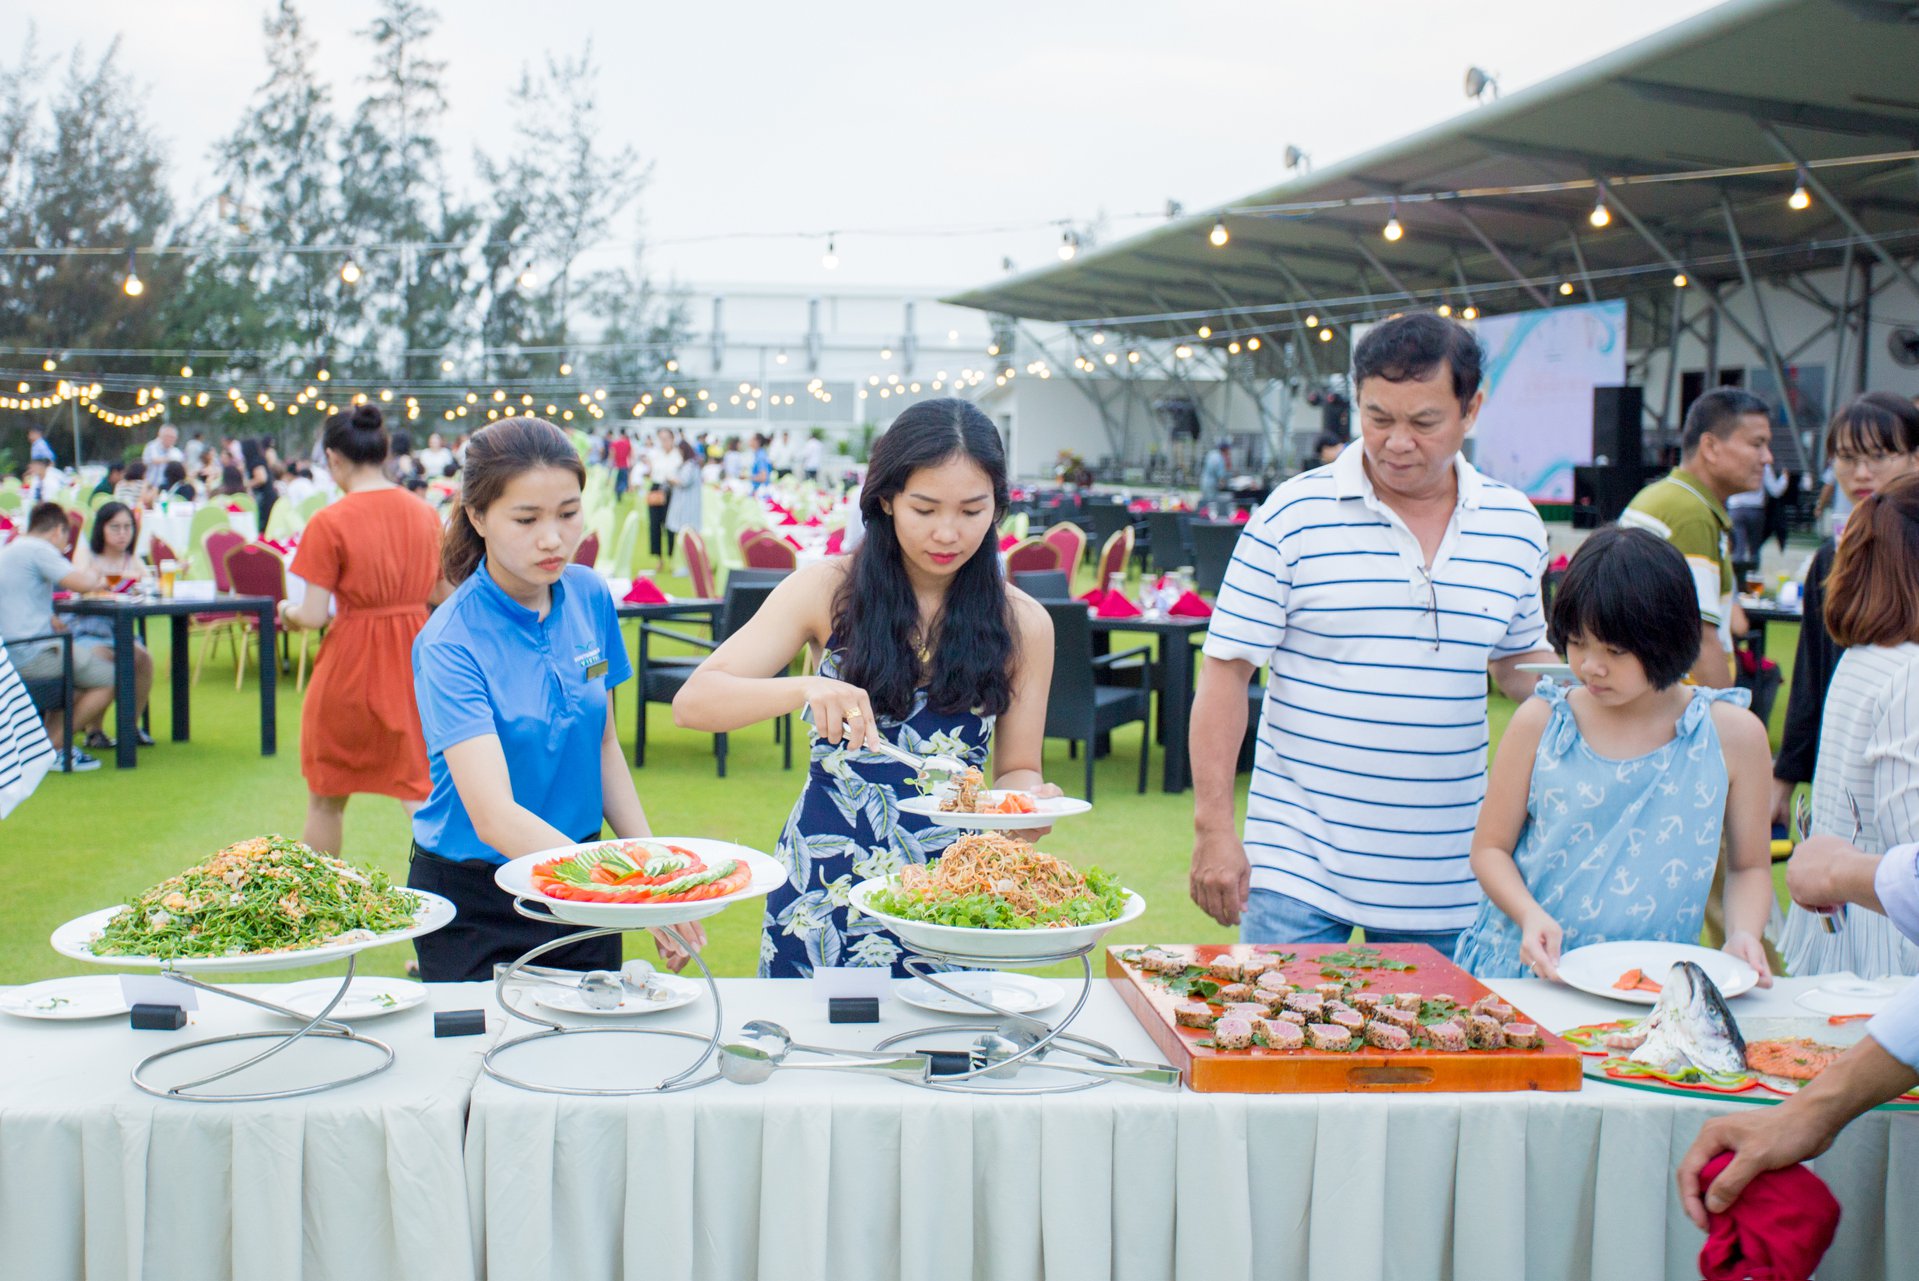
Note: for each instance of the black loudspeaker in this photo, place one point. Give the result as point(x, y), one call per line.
point(1617, 414)
point(1601, 493)
point(1178, 416)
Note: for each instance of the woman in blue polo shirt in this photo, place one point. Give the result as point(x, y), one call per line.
point(512, 675)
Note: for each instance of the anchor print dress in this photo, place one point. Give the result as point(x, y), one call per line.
point(1613, 849)
point(847, 827)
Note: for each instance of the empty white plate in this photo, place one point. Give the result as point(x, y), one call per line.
point(1014, 993)
point(93, 996)
point(370, 997)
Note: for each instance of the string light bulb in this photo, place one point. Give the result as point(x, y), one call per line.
point(1219, 235)
point(1312, 321)
point(1252, 344)
point(528, 278)
point(1679, 281)
point(1392, 230)
point(1445, 309)
point(1800, 199)
point(1600, 216)
point(830, 259)
point(133, 285)
point(1205, 331)
point(1068, 246)
point(1470, 313)
point(350, 272)
point(1565, 289)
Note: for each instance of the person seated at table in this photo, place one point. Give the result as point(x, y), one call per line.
point(1872, 441)
point(925, 645)
point(132, 489)
point(233, 482)
point(514, 676)
point(1866, 783)
point(174, 483)
point(377, 551)
point(1607, 801)
point(32, 566)
point(109, 553)
point(110, 482)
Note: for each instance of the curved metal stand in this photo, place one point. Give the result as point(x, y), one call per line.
point(684, 1080)
point(921, 964)
point(318, 1025)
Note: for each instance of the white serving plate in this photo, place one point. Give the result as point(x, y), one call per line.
point(1016, 993)
point(370, 997)
point(680, 991)
point(75, 939)
point(516, 878)
point(995, 945)
point(1847, 994)
point(1048, 809)
point(1597, 967)
point(93, 996)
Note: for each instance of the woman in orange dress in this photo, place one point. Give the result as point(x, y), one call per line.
point(377, 550)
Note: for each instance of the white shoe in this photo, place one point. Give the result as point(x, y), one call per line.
point(81, 762)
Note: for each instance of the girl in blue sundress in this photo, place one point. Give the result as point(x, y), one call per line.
point(924, 645)
point(1607, 804)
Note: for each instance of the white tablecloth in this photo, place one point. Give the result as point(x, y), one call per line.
point(820, 1175)
point(103, 1182)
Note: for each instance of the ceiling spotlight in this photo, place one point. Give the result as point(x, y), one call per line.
point(1392, 230)
point(1800, 199)
point(1479, 83)
point(1219, 235)
point(1600, 216)
point(829, 259)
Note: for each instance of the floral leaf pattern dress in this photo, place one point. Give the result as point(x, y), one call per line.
point(846, 827)
point(1613, 849)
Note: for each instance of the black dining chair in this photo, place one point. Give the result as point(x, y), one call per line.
point(1044, 585)
point(1082, 708)
point(660, 678)
point(752, 576)
point(1213, 544)
point(1106, 518)
point(1166, 540)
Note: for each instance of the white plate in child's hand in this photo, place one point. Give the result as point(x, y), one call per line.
point(1045, 810)
point(1597, 966)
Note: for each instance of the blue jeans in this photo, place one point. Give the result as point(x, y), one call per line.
point(1272, 917)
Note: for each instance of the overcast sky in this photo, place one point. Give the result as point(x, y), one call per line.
point(763, 118)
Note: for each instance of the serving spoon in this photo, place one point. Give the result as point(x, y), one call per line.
point(746, 1064)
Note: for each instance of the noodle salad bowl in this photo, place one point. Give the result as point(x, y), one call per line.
point(997, 900)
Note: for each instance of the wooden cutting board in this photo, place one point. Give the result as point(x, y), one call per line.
point(1553, 1066)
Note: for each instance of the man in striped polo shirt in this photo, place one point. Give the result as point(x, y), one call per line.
point(1381, 590)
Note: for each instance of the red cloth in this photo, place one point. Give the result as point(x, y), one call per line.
point(1115, 605)
point(644, 591)
point(1007, 542)
point(1778, 1229)
point(786, 518)
point(791, 541)
point(811, 522)
point(1241, 516)
point(1190, 606)
point(836, 542)
point(1094, 597)
point(235, 507)
point(1559, 562)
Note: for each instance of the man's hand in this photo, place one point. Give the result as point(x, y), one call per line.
point(1221, 876)
point(1760, 1140)
point(1826, 872)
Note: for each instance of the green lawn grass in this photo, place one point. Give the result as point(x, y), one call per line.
point(86, 841)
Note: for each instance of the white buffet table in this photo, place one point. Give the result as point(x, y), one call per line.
point(823, 1176)
point(102, 1182)
point(820, 1175)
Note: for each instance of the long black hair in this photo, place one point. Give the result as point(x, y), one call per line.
point(875, 614)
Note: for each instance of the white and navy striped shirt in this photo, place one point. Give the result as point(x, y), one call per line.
point(1371, 763)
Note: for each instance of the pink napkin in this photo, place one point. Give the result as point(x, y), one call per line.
point(1139, 505)
point(1241, 516)
point(235, 508)
point(791, 541)
point(786, 518)
point(1008, 541)
point(1190, 606)
point(835, 542)
point(1094, 597)
point(1115, 605)
point(812, 522)
point(1559, 562)
point(644, 591)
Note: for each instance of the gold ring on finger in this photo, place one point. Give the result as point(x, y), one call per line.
point(855, 714)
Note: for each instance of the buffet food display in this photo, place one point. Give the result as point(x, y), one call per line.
point(1313, 1018)
point(988, 881)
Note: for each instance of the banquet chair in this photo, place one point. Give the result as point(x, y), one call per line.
point(254, 569)
point(626, 546)
point(659, 679)
point(1107, 518)
point(159, 549)
point(769, 551)
point(1070, 541)
point(588, 551)
point(214, 625)
point(1082, 708)
point(699, 566)
point(1044, 585)
point(1113, 556)
point(77, 525)
point(206, 520)
point(1213, 543)
point(1035, 555)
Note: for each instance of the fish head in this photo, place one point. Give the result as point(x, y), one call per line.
point(1692, 1008)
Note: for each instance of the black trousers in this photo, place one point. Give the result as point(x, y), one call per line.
point(656, 530)
point(487, 930)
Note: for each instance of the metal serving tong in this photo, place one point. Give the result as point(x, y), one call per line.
point(947, 765)
point(1831, 918)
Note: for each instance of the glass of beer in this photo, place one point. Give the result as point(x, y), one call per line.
point(168, 568)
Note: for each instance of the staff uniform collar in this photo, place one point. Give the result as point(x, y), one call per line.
point(498, 599)
point(1351, 481)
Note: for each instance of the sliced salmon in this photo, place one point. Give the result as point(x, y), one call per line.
point(1636, 981)
point(1796, 1058)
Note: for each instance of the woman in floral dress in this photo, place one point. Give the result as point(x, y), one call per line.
point(925, 646)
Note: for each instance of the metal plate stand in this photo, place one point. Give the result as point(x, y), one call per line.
point(921, 963)
point(683, 1080)
point(317, 1025)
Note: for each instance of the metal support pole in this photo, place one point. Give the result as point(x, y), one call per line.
point(1677, 263)
point(1672, 360)
point(1383, 269)
point(1712, 345)
point(1585, 276)
point(1500, 256)
point(1839, 338)
point(1771, 351)
point(1839, 211)
point(1300, 290)
point(1865, 329)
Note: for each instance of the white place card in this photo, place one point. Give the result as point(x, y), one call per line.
point(152, 989)
point(830, 981)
